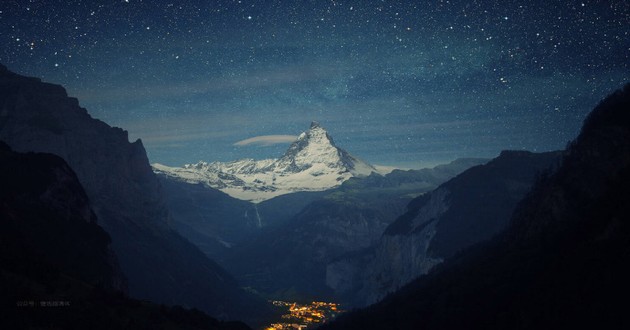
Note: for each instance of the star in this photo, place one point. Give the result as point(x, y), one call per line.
point(202, 79)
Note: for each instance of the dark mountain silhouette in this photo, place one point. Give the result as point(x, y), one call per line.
point(470, 208)
point(56, 268)
point(46, 219)
point(562, 263)
point(159, 264)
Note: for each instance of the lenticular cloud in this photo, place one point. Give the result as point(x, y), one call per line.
point(266, 140)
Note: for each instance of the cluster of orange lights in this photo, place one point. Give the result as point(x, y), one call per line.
point(303, 316)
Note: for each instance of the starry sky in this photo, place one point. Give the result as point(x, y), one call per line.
point(401, 83)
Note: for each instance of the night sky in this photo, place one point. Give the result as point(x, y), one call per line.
point(405, 83)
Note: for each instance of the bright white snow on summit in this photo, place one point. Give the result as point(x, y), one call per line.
point(312, 163)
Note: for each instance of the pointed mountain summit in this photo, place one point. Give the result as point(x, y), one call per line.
point(312, 163)
point(315, 147)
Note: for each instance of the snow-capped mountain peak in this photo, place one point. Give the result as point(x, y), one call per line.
point(312, 163)
point(312, 147)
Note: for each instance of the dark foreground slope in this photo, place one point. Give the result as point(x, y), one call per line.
point(562, 263)
point(470, 208)
point(46, 219)
point(56, 268)
point(159, 264)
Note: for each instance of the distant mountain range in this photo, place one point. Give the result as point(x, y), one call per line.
point(289, 259)
point(312, 163)
point(263, 240)
point(217, 222)
point(219, 206)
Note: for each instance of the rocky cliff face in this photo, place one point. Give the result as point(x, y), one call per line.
point(125, 194)
point(467, 209)
point(312, 163)
point(38, 116)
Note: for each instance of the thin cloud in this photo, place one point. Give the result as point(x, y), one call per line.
point(286, 76)
point(266, 140)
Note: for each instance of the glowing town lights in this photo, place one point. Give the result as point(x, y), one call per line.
point(305, 316)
